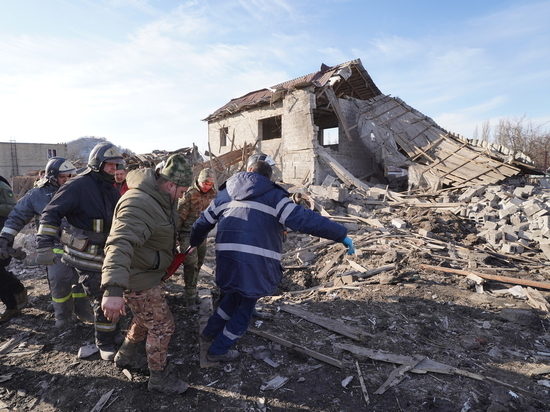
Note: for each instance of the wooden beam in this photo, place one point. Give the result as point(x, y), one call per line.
point(504, 279)
point(338, 110)
point(298, 348)
point(327, 323)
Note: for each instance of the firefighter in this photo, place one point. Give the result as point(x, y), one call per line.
point(68, 296)
point(87, 202)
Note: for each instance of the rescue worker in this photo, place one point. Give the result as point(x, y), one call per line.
point(140, 248)
point(13, 293)
point(251, 212)
point(120, 181)
point(68, 296)
point(194, 201)
point(88, 203)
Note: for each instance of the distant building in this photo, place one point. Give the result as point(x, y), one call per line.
point(18, 159)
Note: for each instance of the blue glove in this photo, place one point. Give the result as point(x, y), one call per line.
point(349, 244)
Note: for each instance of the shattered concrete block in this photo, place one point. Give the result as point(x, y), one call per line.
point(306, 257)
point(515, 219)
point(544, 221)
point(544, 183)
point(471, 192)
point(490, 225)
point(528, 190)
point(542, 212)
point(510, 237)
point(425, 233)
point(494, 237)
point(318, 190)
point(337, 194)
point(545, 232)
point(509, 210)
point(354, 210)
point(545, 248)
point(516, 201)
point(525, 234)
point(531, 209)
point(398, 223)
point(519, 192)
point(329, 181)
point(508, 248)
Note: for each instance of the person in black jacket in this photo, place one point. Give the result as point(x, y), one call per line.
point(88, 203)
point(12, 292)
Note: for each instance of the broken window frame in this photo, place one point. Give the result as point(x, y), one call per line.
point(270, 128)
point(224, 132)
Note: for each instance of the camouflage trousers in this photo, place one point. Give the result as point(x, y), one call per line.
point(152, 321)
point(192, 266)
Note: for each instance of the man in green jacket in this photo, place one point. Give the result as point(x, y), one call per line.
point(139, 249)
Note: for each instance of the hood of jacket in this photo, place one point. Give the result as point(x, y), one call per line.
point(145, 181)
point(248, 185)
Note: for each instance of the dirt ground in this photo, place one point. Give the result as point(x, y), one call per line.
point(489, 342)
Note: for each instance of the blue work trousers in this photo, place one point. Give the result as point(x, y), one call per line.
point(229, 322)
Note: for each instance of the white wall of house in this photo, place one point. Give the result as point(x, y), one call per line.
point(294, 152)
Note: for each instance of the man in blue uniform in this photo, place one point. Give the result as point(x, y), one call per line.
point(251, 212)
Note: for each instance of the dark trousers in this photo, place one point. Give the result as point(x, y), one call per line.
point(105, 331)
point(9, 285)
point(229, 322)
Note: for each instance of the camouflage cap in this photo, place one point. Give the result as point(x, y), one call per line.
point(177, 171)
point(206, 175)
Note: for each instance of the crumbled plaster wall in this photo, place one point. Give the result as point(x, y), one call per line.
point(294, 153)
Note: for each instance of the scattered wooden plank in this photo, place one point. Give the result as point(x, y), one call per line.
point(376, 271)
point(504, 279)
point(426, 365)
point(308, 247)
point(328, 323)
point(362, 382)
point(102, 401)
point(298, 348)
point(11, 344)
point(397, 375)
point(537, 300)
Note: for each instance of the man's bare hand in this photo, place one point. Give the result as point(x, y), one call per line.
point(113, 307)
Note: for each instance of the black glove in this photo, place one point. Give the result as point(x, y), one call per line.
point(4, 248)
point(45, 256)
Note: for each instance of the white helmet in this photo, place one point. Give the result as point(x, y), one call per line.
point(259, 157)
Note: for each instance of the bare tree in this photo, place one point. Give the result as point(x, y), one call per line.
point(521, 135)
point(485, 131)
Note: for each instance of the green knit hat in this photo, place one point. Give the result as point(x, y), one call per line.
point(177, 171)
point(206, 175)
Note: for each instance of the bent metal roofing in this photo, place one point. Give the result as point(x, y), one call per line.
point(357, 83)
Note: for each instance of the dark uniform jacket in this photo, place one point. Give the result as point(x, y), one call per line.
point(251, 212)
point(88, 203)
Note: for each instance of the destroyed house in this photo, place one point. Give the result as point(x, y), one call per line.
point(369, 134)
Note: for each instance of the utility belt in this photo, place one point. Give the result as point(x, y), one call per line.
point(79, 239)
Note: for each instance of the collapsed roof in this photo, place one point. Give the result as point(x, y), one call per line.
point(396, 134)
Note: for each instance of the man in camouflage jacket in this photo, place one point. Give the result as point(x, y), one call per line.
point(194, 201)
